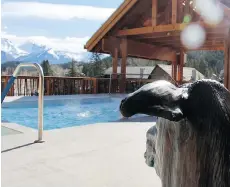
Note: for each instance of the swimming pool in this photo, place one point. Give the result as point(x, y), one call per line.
point(63, 111)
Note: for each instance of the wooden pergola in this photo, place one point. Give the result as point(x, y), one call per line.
point(151, 29)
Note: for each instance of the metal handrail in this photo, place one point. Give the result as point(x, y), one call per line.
point(40, 96)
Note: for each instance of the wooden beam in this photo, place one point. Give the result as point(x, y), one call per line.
point(140, 50)
point(208, 48)
point(169, 28)
point(113, 19)
point(164, 35)
point(136, 31)
point(209, 37)
point(150, 30)
point(154, 13)
point(178, 42)
point(174, 11)
point(158, 35)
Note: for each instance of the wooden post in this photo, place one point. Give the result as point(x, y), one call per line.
point(172, 73)
point(47, 86)
point(174, 11)
point(115, 62)
point(174, 67)
point(6, 81)
point(175, 70)
point(180, 13)
point(95, 91)
point(154, 12)
point(82, 83)
point(181, 67)
point(123, 47)
point(12, 90)
point(227, 63)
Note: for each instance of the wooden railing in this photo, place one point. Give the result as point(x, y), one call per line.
point(28, 85)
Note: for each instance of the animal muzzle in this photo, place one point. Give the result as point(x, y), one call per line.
point(123, 109)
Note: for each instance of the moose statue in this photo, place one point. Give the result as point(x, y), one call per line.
point(190, 144)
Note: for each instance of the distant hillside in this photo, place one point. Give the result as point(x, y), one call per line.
point(206, 62)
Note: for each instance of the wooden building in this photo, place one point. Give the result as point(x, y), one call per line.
point(151, 29)
point(158, 72)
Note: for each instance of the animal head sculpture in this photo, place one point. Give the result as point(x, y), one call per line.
point(190, 144)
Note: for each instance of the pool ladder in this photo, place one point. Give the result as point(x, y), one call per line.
point(40, 96)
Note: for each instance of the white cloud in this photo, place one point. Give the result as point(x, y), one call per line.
point(71, 44)
point(55, 11)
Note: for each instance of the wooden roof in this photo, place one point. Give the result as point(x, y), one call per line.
point(110, 22)
point(134, 20)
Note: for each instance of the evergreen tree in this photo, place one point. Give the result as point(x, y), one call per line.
point(97, 64)
point(206, 62)
point(46, 68)
point(72, 70)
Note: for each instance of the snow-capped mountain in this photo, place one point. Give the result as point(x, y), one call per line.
point(32, 47)
point(10, 49)
point(6, 57)
point(33, 52)
point(46, 54)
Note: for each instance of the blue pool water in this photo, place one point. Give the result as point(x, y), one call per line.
point(63, 112)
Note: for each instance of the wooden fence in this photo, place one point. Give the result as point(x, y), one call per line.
point(28, 85)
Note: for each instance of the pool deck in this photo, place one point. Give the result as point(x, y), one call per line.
point(99, 155)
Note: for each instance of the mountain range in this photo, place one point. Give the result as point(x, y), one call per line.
point(34, 52)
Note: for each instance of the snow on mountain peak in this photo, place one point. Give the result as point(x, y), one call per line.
point(33, 47)
point(8, 47)
point(31, 51)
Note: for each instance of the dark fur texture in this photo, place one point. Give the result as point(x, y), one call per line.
point(205, 107)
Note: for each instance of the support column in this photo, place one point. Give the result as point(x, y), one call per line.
point(174, 67)
point(175, 70)
point(181, 66)
point(47, 80)
point(123, 47)
point(115, 62)
point(174, 11)
point(154, 13)
point(227, 63)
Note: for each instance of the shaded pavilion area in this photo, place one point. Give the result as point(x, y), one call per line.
point(151, 29)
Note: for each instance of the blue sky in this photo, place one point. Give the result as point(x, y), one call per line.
point(61, 24)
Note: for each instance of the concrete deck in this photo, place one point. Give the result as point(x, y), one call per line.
point(99, 155)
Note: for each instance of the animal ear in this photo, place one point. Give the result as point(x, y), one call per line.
point(170, 113)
